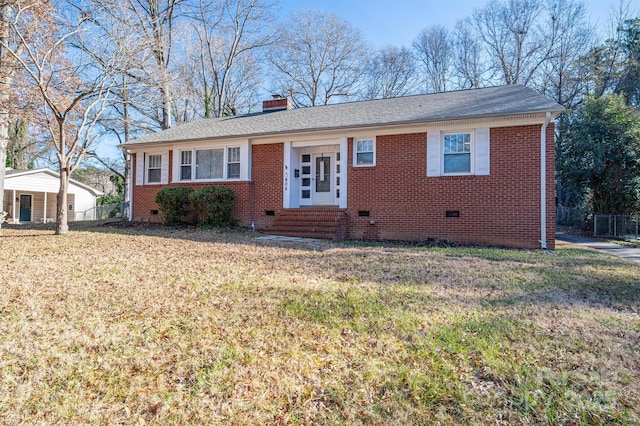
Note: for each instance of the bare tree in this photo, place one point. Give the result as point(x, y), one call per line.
point(73, 90)
point(149, 73)
point(6, 87)
point(434, 50)
point(562, 77)
point(391, 72)
point(320, 58)
point(157, 18)
point(228, 34)
point(613, 64)
point(514, 38)
point(470, 68)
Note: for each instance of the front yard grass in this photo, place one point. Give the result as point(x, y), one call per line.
point(182, 326)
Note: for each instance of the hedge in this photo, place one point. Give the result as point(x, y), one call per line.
point(213, 205)
point(174, 203)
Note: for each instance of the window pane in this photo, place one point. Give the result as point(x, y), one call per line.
point(306, 181)
point(233, 171)
point(306, 193)
point(457, 143)
point(154, 175)
point(185, 157)
point(155, 161)
point(185, 173)
point(323, 174)
point(366, 158)
point(457, 163)
point(365, 146)
point(209, 164)
point(306, 170)
point(234, 155)
point(306, 158)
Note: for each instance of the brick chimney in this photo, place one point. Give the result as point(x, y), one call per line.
point(278, 103)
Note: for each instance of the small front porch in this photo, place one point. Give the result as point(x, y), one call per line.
point(315, 174)
point(330, 223)
point(31, 206)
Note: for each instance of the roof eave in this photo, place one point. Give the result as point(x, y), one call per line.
point(55, 174)
point(554, 111)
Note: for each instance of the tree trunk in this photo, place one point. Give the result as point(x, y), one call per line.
point(3, 159)
point(62, 226)
point(5, 83)
point(126, 208)
point(166, 107)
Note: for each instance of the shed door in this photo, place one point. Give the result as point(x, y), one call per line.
point(25, 208)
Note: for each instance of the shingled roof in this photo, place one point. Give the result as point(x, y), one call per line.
point(463, 104)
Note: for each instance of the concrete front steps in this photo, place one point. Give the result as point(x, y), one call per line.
point(329, 223)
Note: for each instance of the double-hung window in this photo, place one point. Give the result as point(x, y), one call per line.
point(233, 162)
point(154, 168)
point(457, 153)
point(364, 152)
point(185, 164)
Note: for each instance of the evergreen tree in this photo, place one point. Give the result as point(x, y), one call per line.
point(599, 156)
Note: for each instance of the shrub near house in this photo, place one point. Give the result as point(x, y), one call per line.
point(174, 203)
point(472, 166)
point(213, 205)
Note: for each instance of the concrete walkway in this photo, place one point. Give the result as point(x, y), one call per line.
point(629, 253)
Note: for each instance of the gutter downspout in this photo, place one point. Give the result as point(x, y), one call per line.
point(543, 182)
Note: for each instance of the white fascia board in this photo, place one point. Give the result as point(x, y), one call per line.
point(398, 129)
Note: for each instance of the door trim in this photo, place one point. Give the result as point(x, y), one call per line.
point(294, 176)
point(306, 184)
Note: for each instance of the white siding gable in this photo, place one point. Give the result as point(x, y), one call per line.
point(35, 182)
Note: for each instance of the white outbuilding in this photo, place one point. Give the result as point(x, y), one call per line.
point(30, 196)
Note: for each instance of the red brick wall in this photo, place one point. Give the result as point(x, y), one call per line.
point(267, 175)
point(500, 209)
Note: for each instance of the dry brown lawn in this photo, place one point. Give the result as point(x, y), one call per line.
point(133, 325)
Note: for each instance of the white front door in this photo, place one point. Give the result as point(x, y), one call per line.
point(319, 176)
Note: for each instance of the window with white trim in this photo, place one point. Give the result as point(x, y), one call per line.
point(457, 153)
point(364, 152)
point(154, 168)
point(210, 164)
point(233, 162)
point(185, 165)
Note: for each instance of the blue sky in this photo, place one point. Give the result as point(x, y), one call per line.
point(398, 22)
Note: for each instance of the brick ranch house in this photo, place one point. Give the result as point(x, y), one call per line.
point(470, 166)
